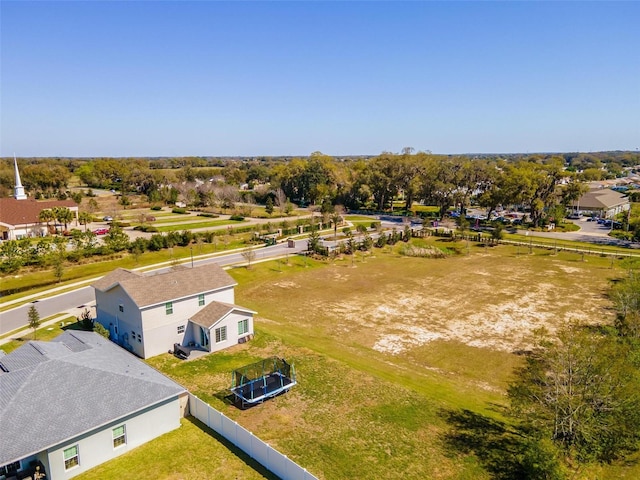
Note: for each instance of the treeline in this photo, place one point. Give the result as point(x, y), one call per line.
point(353, 181)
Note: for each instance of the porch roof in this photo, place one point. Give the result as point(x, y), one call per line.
point(216, 311)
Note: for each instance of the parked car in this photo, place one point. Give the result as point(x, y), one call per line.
point(107, 219)
point(101, 231)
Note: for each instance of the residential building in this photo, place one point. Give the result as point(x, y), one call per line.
point(191, 307)
point(77, 401)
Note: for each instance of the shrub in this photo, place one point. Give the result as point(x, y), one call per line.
point(178, 210)
point(120, 224)
point(145, 228)
point(157, 242)
point(156, 207)
point(208, 215)
point(237, 218)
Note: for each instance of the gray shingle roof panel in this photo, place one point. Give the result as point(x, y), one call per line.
point(64, 396)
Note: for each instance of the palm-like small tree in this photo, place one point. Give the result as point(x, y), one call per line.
point(84, 218)
point(63, 215)
point(46, 216)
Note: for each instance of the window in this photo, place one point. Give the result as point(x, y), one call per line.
point(121, 307)
point(201, 299)
point(169, 308)
point(180, 328)
point(221, 334)
point(139, 339)
point(119, 436)
point(10, 468)
point(71, 457)
point(243, 326)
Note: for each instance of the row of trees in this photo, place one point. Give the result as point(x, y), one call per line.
point(358, 183)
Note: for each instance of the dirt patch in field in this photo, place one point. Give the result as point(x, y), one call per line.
point(481, 300)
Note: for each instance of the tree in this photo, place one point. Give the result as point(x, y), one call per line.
point(249, 255)
point(116, 239)
point(92, 205)
point(269, 206)
point(85, 320)
point(63, 215)
point(58, 266)
point(313, 244)
point(626, 298)
point(46, 216)
point(336, 218)
point(581, 391)
point(281, 200)
point(34, 319)
point(85, 218)
point(497, 233)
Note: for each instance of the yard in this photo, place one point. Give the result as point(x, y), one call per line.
point(399, 360)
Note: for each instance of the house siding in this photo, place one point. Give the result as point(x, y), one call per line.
point(96, 447)
point(161, 330)
point(109, 315)
point(231, 322)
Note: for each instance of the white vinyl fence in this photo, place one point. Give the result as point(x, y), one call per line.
point(242, 438)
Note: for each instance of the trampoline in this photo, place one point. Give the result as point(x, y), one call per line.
point(262, 380)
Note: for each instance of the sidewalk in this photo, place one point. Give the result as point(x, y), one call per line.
point(75, 312)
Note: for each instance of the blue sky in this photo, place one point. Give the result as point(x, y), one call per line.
point(289, 78)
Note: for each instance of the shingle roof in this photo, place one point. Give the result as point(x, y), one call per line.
point(215, 311)
point(147, 290)
point(601, 198)
point(21, 212)
point(114, 277)
point(81, 382)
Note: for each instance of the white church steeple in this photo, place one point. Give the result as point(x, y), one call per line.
point(18, 190)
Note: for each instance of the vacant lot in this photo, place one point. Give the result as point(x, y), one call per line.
point(402, 362)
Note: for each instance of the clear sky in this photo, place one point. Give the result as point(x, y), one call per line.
point(288, 78)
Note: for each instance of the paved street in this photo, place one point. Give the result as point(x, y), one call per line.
point(72, 301)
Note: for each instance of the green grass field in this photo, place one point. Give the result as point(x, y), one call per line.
point(205, 223)
point(398, 359)
point(402, 363)
point(192, 451)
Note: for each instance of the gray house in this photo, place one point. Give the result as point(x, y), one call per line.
point(73, 403)
point(192, 307)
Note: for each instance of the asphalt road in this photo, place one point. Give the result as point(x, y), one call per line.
point(17, 317)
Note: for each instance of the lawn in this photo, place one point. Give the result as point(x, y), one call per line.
point(401, 359)
point(192, 451)
point(194, 224)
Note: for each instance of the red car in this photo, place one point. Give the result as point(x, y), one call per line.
point(101, 231)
